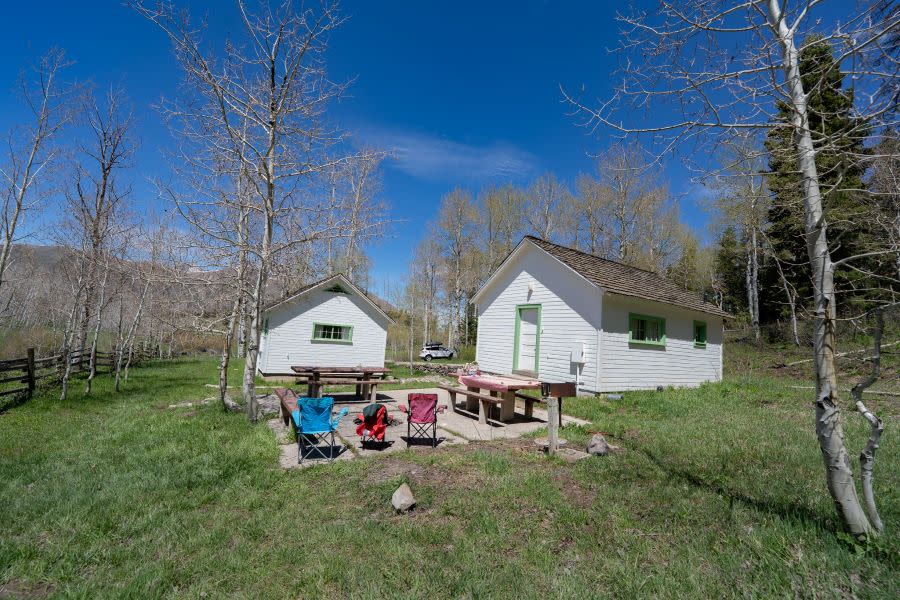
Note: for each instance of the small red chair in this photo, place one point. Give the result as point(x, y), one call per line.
point(374, 421)
point(422, 417)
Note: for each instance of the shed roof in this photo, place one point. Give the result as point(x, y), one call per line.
point(622, 279)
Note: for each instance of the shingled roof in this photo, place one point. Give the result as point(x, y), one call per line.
point(625, 280)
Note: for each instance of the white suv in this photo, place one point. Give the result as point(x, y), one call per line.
point(435, 350)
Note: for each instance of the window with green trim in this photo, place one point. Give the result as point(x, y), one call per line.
point(266, 327)
point(326, 332)
point(644, 329)
point(700, 334)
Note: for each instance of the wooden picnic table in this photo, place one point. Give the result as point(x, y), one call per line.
point(365, 378)
point(505, 387)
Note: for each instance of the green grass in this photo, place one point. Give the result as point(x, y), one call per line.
point(718, 492)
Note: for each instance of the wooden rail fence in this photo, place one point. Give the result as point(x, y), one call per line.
point(29, 371)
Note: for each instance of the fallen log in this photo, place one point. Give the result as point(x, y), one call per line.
point(838, 355)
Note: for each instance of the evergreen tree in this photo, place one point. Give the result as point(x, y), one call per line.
point(839, 137)
point(731, 269)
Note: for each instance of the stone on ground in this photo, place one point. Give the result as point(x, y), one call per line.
point(598, 445)
point(403, 499)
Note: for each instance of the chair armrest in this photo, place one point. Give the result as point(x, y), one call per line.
point(403, 408)
point(441, 408)
point(295, 415)
point(337, 419)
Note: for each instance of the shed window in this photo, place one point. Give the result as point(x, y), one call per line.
point(643, 329)
point(325, 332)
point(699, 334)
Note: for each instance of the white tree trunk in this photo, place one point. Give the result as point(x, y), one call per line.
point(92, 372)
point(876, 425)
point(753, 282)
point(839, 474)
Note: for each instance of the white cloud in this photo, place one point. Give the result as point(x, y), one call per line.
point(433, 158)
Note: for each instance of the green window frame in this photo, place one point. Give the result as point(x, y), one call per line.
point(332, 333)
point(700, 334)
point(646, 330)
point(266, 327)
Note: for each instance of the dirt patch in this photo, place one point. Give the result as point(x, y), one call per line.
point(16, 589)
point(574, 491)
point(454, 473)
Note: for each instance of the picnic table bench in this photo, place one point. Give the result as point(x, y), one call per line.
point(484, 402)
point(366, 379)
point(288, 401)
point(479, 401)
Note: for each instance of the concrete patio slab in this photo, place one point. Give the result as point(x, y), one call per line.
point(453, 428)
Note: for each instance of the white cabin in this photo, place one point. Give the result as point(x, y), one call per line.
point(329, 323)
point(559, 314)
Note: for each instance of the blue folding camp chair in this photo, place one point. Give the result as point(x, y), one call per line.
point(315, 427)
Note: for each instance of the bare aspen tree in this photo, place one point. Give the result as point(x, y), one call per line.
point(502, 217)
point(30, 149)
point(96, 201)
point(790, 294)
point(363, 214)
point(98, 323)
point(876, 425)
point(260, 105)
point(591, 200)
point(454, 229)
point(425, 278)
point(743, 201)
point(94, 219)
point(719, 67)
point(142, 279)
point(545, 204)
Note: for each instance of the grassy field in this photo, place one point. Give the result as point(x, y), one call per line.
point(718, 492)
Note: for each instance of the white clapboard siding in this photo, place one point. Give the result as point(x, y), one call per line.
point(625, 366)
point(570, 314)
point(289, 340)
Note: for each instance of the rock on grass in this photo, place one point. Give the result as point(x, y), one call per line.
point(403, 499)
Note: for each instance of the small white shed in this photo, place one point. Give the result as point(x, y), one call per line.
point(328, 323)
point(559, 314)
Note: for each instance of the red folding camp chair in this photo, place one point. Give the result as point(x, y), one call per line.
point(422, 417)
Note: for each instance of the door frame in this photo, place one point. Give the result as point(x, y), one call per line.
point(537, 338)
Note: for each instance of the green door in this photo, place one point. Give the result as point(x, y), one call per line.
point(527, 348)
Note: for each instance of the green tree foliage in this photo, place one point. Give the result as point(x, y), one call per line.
point(838, 136)
point(731, 272)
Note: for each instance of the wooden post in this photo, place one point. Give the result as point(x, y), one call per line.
point(31, 382)
point(552, 425)
point(553, 393)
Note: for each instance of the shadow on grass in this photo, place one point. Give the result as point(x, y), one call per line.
point(785, 510)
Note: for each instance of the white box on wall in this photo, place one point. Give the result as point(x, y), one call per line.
point(577, 352)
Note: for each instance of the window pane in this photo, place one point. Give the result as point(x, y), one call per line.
point(653, 331)
point(700, 333)
point(332, 332)
point(640, 329)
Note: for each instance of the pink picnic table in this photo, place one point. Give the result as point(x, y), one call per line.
point(504, 386)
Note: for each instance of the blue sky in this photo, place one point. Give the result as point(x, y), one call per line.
point(466, 93)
